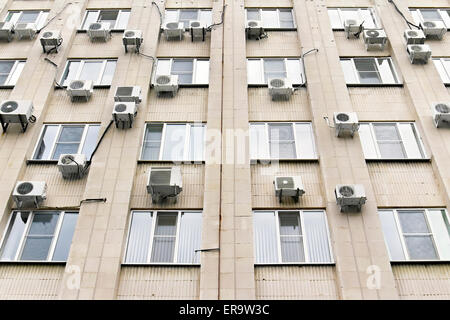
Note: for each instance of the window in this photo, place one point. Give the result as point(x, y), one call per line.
point(272, 18)
point(189, 71)
point(29, 16)
point(442, 14)
point(443, 67)
point(174, 142)
point(57, 139)
point(281, 140)
point(391, 140)
point(416, 234)
point(10, 71)
point(38, 236)
point(164, 237)
point(369, 71)
point(117, 19)
point(101, 72)
point(291, 237)
point(187, 15)
point(259, 70)
point(339, 15)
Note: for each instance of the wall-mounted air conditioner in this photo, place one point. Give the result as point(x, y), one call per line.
point(434, 29)
point(350, 197)
point(375, 39)
point(99, 31)
point(353, 28)
point(80, 88)
point(25, 30)
point(128, 94)
point(280, 88)
point(72, 166)
point(51, 40)
point(288, 186)
point(6, 31)
point(173, 30)
point(345, 123)
point(16, 111)
point(29, 194)
point(441, 114)
point(419, 53)
point(254, 29)
point(166, 84)
point(132, 38)
point(124, 114)
point(414, 36)
point(197, 30)
point(164, 183)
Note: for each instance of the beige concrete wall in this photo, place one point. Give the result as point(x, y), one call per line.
point(184, 48)
point(277, 44)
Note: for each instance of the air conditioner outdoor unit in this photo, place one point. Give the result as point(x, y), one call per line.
point(29, 194)
point(197, 30)
point(419, 53)
point(72, 166)
point(124, 114)
point(350, 197)
point(51, 40)
point(164, 183)
point(434, 29)
point(132, 38)
point(345, 123)
point(16, 111)
point(25, 30)
point(288, 186)
point(280, 88)
point(414, 36)
point(254, 29)
point(80, 88)
point(441, 114)
point(173, 30)
point(166, 84)
point(99, 30)
point(6, 29)
point(353, 28)
point(375, 39)
point(128, 94)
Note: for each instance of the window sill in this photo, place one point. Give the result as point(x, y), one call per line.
point(7, 87)
point(52, 162)
point(102, 86)
point(266, 161)
point(170, 162)
point(161, 265)
point(264, 85)
point(293, 264)
point(398, 262)
point(112, 31)
point(280, 29)
point(59, 263)
point(399, 160)
point(365, 85)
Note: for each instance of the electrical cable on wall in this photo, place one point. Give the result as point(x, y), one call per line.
point(56, 66)
point(48, 22)
point(98, 144)
point(218, 23)
point(303, 65)
point(403, 16)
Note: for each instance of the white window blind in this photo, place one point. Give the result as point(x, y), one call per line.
point(189, 71)
point(443, 67)
point(117, 19)
point(187, 15)
point(272, 18)
point(339, 15)
point(259, 70)
point(369, 71)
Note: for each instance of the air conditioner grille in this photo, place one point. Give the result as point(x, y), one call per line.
point(25, 188)
point(67, 159)
point(95, 26)
point(429, 24)
point(373, 33)
point(77, 85)
point(129, 34)
point(285, 182)
point(47, 34)
point(172, 25)
point(412, 33)
point(277, 83)
point(442, 108)
point(416, 48)
point(252, 24)
point(160, 177)
point(343, 117)
point(163, 80)
point(124, 91)
point(346, 191)
point(195, 24)
point(120, 107)
point(9, 106)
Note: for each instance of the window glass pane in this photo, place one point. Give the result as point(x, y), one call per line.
point(274, 68)
point(171, 16)
point(286, 19)
point(91, 140)
point(109, 72)
point(386, 131)
point(70, 72)
point(420, 247)
point(432, 14)
point(413, 221)
point(441, 231)
point(91, 71)
point(108, 16)
point(164, 238)
point(253, 14)
point(188, 15)
point(91, 17)
point(270, 18)
point(152, 142)
point(46, 142)
point(139, 237)
point(386, 71)
point(367, 71)
point(282, 143)
point(69, 140)
point(289, 224)
point(290, 237)
point(13, 236)
point(122, 22)
point(317, 236)
point(184, 69)
point(28, 16)
point(265, 237)
point(410, 141)
point(389, 141)
point(305, 141)
point(174, 142)
point(197, 138)
point(368, 18)
point(391, 235)
point(16, 73)
point(391, 150)
point(65, 237)
point(190, 237)
point(6, 66)
point(349, 13)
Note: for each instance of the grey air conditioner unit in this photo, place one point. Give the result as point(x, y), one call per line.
point(29, 194)
point(173, 30)
point(418, 53)
point(124, 114)
point(350, 197)
point(166, 84)
point(164, 183)
point(25, 30)
point(132, 38)
point(80, 88)
point(288, 186)
point(441, 114)
point(434, 29)
point(280, 88)
point(72, 166)
point(16, 111)
point(197, 30)
point(128, 94)
point(254, 29)
point(374, 39)
point(414, 36)
point(51, 40)
point(353, 28)
point(6, 29)
point(345, 123)
point(99, 31)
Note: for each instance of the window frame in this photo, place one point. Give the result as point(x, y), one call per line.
point(394, 72)
point(443, 69)
point(39, 22)
point(195, 71)
point(199, 10)
point(152, 238)
point(376, 20)
point(263, 83)
point(97, 83)
point(418, 17)
point(12, 74)
point(277, 9)
point(55, 238)
point(83, 28)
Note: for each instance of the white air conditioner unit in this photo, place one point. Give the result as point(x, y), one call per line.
point(128, 94)
point(254, 29)
point(99, 30)
point(25, 30)
point(197, 30)
point(353, 28)
point(288, 186)
point(51, 40)
point(414, 36)
point(441, 114)
point(434, 29)
point(375, 39)
point(72, 166)
point(124, 114)
point(173, 30)
point(345, 123)
point(164, 183)
point(6, 29)
point(80, 88)
point(16, 111)
point(166, 84)
point(418, 53)
point(350, 197)
point(132, 38)
point(280, 88)
point(29, 194)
